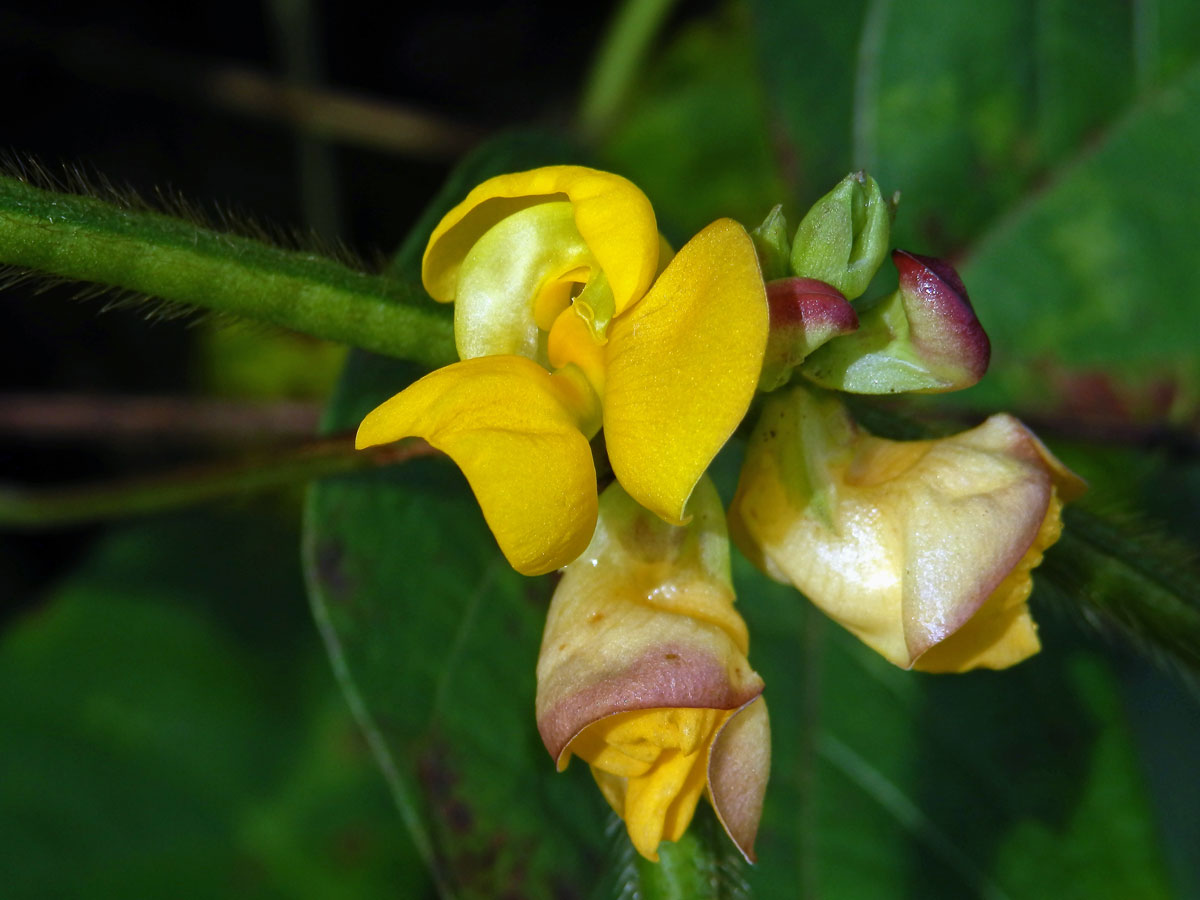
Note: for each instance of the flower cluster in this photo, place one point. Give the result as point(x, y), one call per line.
point(573, 316)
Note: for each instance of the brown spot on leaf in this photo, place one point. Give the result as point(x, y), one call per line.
point(331, 572)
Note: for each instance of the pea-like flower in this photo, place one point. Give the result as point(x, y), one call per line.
point(643, 674)
point(569, 318)
point(922, 549)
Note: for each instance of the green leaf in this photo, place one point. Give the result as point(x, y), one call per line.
point(167, 731)
point(1098, 271)
point(887, 783)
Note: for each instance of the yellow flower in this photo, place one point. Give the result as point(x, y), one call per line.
point(643, 674)
point(563, 328)
point(922, 549)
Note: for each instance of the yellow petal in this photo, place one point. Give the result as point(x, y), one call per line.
point(572, 341)
point(682, 366)
point(909, 545)
point(613, 216)
point(515, 271)
point(657, 803)
point(643, 664)
point(1002, 632)
point(514, 430)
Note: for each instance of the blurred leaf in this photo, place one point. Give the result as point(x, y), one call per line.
point(894, 784)
point(240, 361)
point(807, 59)
point(1099, 270)
point(695, 136)
point(960, 108)
point(157, 744)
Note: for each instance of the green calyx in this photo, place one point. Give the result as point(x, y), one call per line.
point(844, 237)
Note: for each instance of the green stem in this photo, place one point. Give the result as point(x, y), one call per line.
point(32, 509)
point(701, 865)
point(86, 239)
point(618, 61)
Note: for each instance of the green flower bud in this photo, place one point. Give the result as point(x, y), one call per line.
point(923, 337)
point(844, 238)
point(805, 313)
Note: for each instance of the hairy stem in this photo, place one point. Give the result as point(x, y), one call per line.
point(87, 239)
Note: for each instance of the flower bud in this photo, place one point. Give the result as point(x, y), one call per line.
point(923, 337)
point(844, 237)
point(805, 313)
point(643, 674)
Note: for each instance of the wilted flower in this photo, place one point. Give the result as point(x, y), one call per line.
point(643, 674)
point(923, 549)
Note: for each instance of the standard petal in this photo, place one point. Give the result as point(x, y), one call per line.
point(683, 365)
point(612, 214)
point(907, 544)
point(514, 430)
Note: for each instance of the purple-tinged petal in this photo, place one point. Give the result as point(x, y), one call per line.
point(805, 313)
point(923, 337)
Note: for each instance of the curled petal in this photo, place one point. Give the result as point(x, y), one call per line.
point(924, 337)
point(515, 431)
point(682, 366)
point(737, 773)
point(643, 673)
point(917, 547)
point(519, 271)
point(614, 218)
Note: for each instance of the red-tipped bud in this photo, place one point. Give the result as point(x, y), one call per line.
point(805, 313)
point(924, 337)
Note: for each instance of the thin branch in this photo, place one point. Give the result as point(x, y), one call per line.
point(32, 509)
point(335, 115)
point(101, 417)
point(150, 255)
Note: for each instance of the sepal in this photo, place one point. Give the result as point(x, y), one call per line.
point(805, 313)
point(771, 242)
point(843, 239)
